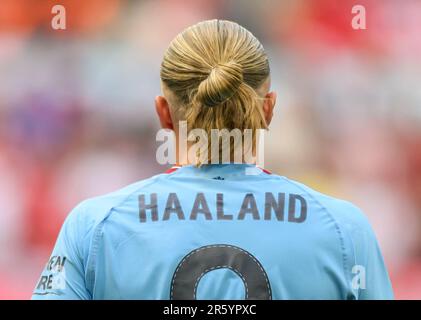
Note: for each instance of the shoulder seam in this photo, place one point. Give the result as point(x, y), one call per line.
point(339, 229)
point(97, 232)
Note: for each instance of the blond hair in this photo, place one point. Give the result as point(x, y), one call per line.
point(213, 69)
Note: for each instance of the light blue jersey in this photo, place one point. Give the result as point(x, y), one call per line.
point(230, 231)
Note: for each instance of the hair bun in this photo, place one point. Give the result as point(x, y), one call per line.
point(221, 84)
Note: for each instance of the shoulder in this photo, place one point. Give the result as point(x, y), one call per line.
point(91, 212)
point(345, 213)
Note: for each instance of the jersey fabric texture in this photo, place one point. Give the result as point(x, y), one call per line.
point(231, 231)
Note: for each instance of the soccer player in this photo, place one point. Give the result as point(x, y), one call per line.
point(204, 230)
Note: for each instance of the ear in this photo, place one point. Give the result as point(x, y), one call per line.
point(163, 111)
point(268, 105)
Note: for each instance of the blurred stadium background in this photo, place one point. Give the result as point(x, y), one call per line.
point(77, 116)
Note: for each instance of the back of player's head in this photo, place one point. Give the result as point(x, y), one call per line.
point(214, 69)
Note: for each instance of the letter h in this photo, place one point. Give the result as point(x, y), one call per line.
point(153, 206)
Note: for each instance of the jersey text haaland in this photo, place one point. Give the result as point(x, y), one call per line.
point(274, 207)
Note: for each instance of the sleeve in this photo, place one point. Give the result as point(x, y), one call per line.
point(63, 276)
point(369, 277)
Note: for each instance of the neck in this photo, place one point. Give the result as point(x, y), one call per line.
point(197, 148)
point(187, 155)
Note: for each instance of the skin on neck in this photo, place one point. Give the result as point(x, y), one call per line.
point(168, 107)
